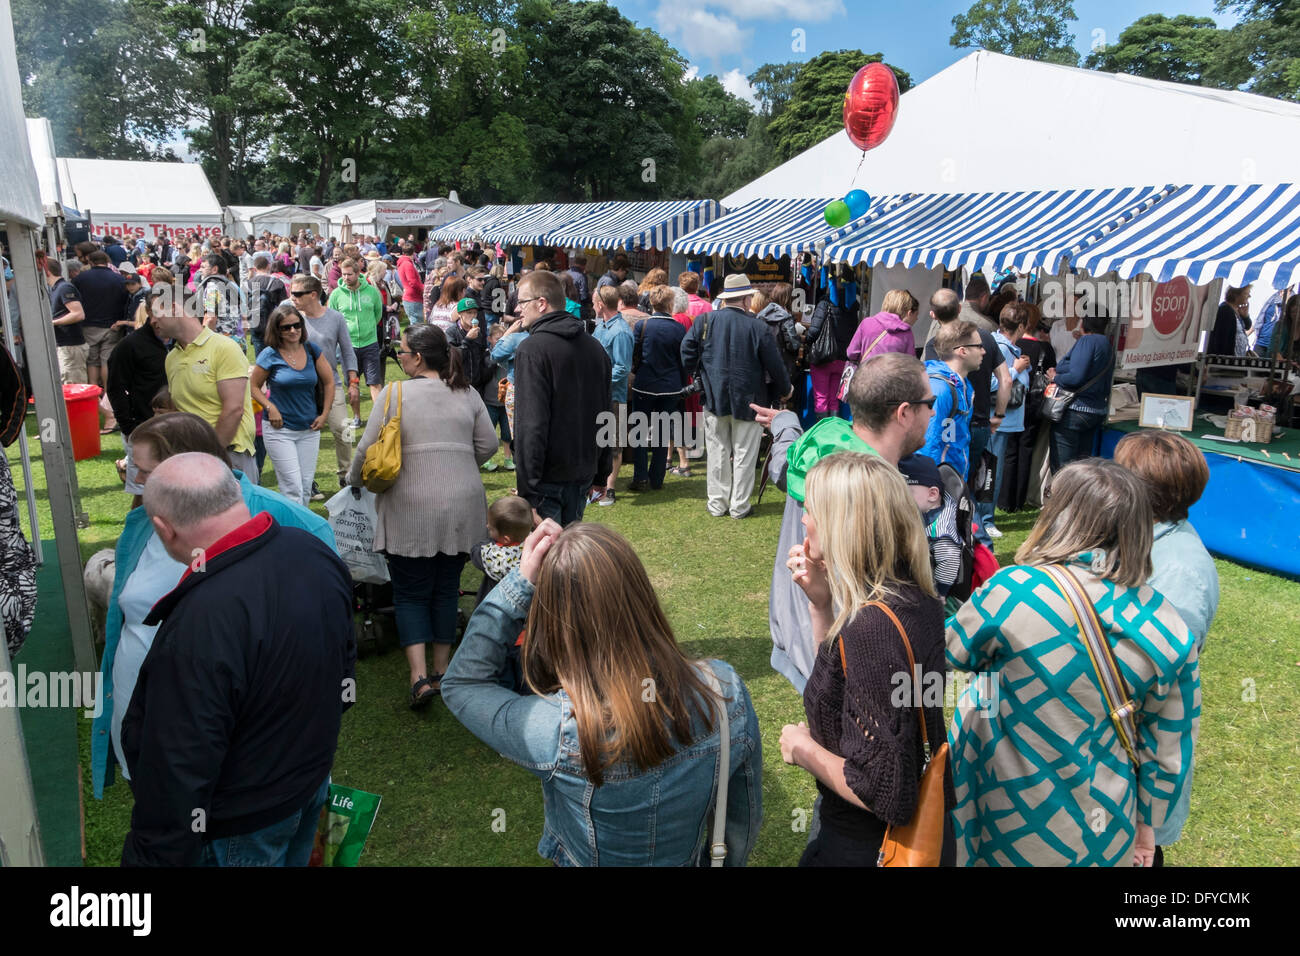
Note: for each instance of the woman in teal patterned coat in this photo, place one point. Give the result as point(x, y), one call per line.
point(1042, 776)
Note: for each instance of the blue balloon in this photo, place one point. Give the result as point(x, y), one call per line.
point(858, 202)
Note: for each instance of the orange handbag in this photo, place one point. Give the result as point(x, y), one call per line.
point(920, 841)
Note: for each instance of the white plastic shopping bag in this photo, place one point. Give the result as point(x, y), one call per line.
point(353, 521)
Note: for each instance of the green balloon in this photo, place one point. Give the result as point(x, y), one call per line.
point(837, 213)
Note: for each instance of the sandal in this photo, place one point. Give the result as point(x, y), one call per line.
point(437, 678)
point(680, 471)
point(417, 699)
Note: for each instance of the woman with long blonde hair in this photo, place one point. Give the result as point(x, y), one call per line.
point(622, 728)
point(865, 566)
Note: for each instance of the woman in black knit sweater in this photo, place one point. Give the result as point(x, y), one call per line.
point(865, 543)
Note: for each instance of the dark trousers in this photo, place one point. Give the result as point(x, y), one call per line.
point(564, 502)
point(1074, 437)
point(651, 462)
point(426, 592)
point(1016, 465)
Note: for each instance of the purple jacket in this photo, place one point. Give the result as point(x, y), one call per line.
point(897, 337)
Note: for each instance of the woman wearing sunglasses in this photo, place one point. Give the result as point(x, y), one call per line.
point(294, 419)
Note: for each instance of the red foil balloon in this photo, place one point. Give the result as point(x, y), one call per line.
point(871, 105)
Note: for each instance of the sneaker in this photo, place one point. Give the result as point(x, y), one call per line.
point(595, 495)
point(490, 466)
point(356, 423)
point(607, 498)
point(316, 493)
point(991, 531)
point(509, 465)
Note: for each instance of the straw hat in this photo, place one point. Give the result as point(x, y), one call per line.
point(737, 286)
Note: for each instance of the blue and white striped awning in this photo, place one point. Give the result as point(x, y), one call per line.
point(533, 224)
point(1243, 234)
point(471, 225)
point(774, 227)
point(632, 225)
point(994, 231)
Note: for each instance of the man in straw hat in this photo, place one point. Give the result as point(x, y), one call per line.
point(731, 349)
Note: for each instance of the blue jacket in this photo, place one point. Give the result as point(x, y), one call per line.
point(1014, 420)
point(732, 349)
point(130, 545)
point(1090, 355)
point(657, 355)
point(947, 439)
point(658, 817)
point(616, 338)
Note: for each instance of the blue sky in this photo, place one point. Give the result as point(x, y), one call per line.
point(730, 38)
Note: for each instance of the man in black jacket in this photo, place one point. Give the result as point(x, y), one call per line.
point(732, 349)
point(233, 725)
point(562, 386)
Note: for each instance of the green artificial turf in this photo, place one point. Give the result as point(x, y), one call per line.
point(443, 790)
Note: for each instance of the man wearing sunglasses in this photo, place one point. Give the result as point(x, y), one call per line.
point(891, 404)
point(960, 348)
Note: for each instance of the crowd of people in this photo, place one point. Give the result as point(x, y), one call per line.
point(554, 667)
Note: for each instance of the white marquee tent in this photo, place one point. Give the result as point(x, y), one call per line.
point(378, 216)
point(239, 219)
point(134, 199)
point(1066, 128)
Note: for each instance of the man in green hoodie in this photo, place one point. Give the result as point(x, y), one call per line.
point(891, 403)
point(363, 308)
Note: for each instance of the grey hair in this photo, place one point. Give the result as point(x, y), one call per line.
point(629, 293)
point(440, 262)
point(208, 491)
point(681, 301)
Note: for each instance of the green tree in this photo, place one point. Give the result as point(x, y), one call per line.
point(98, 71)
point(604, 103)
point(1029, 29)
point(728, 163)
point(773, 83)
point(1267, 38)
point(718, 112)
point(1181, 49)
point(815, 109)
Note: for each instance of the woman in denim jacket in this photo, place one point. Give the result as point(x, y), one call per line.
point(606, 668)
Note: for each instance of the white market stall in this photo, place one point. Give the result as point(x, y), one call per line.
point(26, 839)
point(288, 220)
point(132, 199)
point(383, 217)
point(239, 219)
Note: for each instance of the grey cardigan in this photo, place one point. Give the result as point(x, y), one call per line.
point(437, 505)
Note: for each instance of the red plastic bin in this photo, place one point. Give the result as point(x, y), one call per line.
point(83, 419)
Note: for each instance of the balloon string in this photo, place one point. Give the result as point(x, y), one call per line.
point(854, 181)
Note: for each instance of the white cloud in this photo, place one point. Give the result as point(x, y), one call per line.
point(735, 83)
point(815, 11)
point(699, 32)
point(691, 73)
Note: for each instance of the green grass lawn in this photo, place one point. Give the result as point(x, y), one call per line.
point(441, 788)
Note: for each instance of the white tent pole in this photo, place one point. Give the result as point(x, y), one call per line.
point(56, 444)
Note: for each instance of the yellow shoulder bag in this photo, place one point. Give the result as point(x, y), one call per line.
point(384, 457)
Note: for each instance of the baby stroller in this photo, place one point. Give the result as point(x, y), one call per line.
point(375, 619)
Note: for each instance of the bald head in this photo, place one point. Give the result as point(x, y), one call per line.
point(944, 305)
point(193, 500)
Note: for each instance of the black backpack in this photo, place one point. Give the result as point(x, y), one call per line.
point(266, 292)
point(956, 488)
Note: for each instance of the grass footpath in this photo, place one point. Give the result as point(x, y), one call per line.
point(442, 789)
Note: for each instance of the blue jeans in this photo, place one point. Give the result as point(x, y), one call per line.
point(426, 592)
point(414, 311)
point(652, 462)
point(500, 420)
point(979, 440)
point(287, 843)
point(1074, 437)
point(564, 502)
point(997, 445)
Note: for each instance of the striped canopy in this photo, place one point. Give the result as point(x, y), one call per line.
point(532, 225)
point(1243, 234)
point(774, 227)
point(993, 231)
point(631, 225)
point(471, 226)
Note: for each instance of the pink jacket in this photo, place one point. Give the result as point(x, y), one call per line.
point(696, 306)
point(412, 286)
point(897, 337)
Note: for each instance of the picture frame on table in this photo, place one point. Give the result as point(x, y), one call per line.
point(1169, 412)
